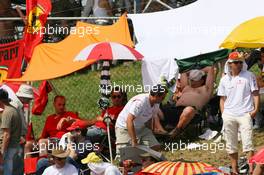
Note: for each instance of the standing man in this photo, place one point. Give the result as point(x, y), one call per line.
point(11, 132)
point(130, 126)
point(239, 104)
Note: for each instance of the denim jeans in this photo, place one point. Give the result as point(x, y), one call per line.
point(13, 156)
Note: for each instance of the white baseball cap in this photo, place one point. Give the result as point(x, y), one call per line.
point(196, 74)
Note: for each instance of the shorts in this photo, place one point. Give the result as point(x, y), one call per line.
point(234, 124)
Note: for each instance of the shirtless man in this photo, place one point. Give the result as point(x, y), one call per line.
point(195, 95)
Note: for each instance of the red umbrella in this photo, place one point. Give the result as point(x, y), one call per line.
point(108, 51)
point(258, 158)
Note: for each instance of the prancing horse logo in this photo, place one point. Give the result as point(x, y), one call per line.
point(34, 23)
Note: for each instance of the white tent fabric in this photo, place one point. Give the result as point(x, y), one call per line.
point(154, 69)
point(193, 29)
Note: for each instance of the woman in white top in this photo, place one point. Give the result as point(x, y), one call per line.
point(98, 8)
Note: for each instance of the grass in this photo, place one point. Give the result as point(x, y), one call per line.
point(82, 92)
point(216, 157)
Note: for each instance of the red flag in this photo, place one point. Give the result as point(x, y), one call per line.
point(37, 12)
point(30, 133)
point(41, 101)
point(11, 59)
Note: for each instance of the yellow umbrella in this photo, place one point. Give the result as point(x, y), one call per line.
point(249, 34)
point(179, 168)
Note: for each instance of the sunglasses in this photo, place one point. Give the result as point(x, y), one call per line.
point(58, 159)
point(116, 96)
point(237, 62)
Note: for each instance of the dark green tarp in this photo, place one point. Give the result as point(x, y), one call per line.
point(203, 60)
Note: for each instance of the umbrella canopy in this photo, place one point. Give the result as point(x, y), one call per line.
point(203, 60)
point(179, 168)
point(258, 158)
point(108, 51)
point(249, 34)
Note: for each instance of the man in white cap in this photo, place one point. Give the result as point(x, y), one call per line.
point(239, 104)
point(25, 95)
point(197, 90)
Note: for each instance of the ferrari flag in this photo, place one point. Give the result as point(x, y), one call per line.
point(37, 12)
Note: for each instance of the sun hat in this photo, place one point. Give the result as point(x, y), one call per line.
point(92, 158)
point(78, 124)
point(196, 74)
point(25, 91)
point(60, 153)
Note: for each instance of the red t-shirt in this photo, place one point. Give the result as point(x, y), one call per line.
point(50, 128)
point(113, 111)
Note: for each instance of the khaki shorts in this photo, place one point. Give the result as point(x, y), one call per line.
point(234, 124)
point(144, 135)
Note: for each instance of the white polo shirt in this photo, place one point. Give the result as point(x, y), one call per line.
point(238, 91)
point(140, 107)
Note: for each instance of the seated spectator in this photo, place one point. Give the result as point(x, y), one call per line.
point(193, 98)
point(78, 144)
point(98, 8)
point(60, 166)
point(55, 126)
point(98, 167)
point(119, 99)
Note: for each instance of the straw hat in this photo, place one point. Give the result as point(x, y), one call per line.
point(60, 153)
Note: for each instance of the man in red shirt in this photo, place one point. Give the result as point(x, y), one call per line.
point(119, 99)
point(56, 124)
